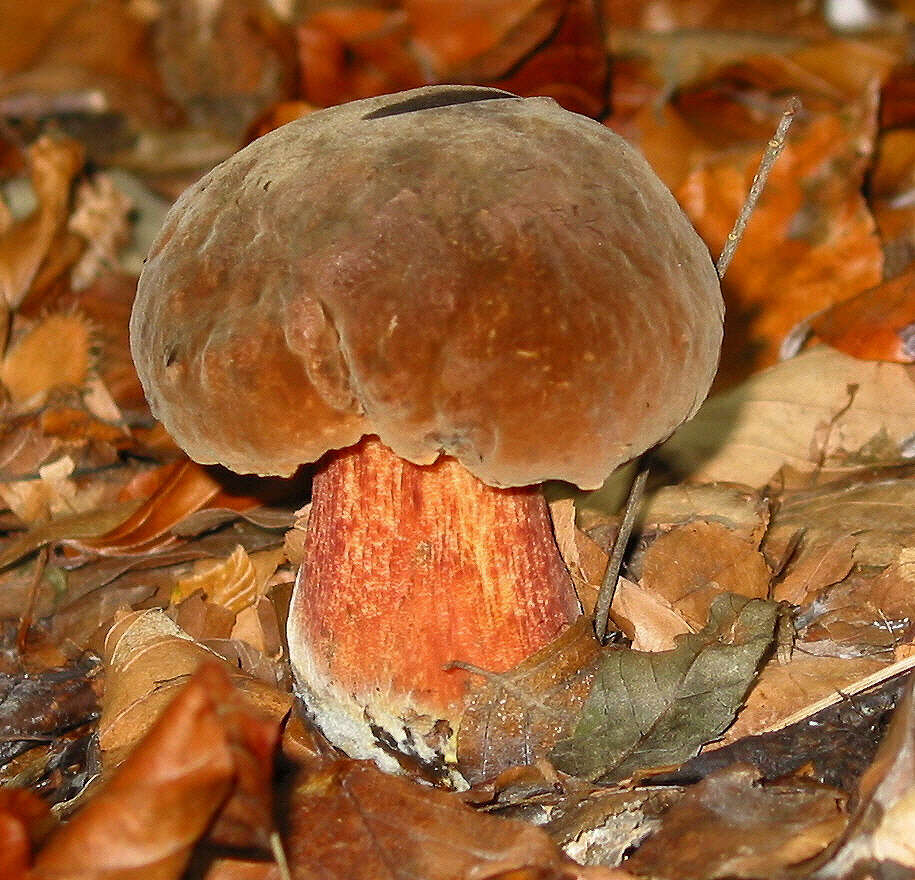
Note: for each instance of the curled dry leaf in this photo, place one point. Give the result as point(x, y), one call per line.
point(785, 692)
point(348, 820)
point(693, 564)
point(812, 239)
point(875, 506)
point(819, 563)
point(235, 582)
point(54, 494)
point(100, 217)
point(149, 659)
point(206, 760)
point(732, 825)
point(24, 245)
point(647, 618)
point(599, 827)
point(530, 47)
point(223, 63)
point(890, 184)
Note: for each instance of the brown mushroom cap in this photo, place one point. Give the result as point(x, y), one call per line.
point(455, 269)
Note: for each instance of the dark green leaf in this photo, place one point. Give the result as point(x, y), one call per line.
point(657, 709)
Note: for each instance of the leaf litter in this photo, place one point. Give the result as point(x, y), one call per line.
point(130, 575)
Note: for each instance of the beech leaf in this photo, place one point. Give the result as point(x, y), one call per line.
point(657, 709)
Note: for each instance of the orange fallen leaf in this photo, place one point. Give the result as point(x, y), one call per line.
point(694, 563)
point(56, 351)
point(207, 760)
point(877, 324)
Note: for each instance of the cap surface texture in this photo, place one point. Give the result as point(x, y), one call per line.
point(454, 269)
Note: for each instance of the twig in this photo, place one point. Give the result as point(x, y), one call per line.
point(25, 621)
point(612, 572)
point(773, 149)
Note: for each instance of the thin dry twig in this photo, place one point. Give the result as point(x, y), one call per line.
point(25, 621)
point(773, 150)
point(612, 572)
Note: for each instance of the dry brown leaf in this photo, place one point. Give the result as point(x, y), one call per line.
point(530, 47)
point(600, 827)
point(891, 180)
point(100, 216)
point(647, 618)
point(53, 495)
point(209, 758)
point(732, 825)
point(348, 820)
point(819, 405)
point(875, 506)
point(257, 626)
point(878, 324)
point(519, 715)
point(693, 564)
point(786, 692)
point(68, 57)
point(149, 659)
point(223, 63)
point(818, 564)
point(56, 351)
point(812, 231)
point(812, 240)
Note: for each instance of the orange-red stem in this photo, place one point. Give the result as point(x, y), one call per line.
point(408, 568)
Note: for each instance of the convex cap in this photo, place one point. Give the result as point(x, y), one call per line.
point(454, 269)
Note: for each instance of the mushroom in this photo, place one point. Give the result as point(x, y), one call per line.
point(445, 297)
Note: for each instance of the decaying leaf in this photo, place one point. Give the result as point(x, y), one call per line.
point(100, 216)
point(833, 745)
point(878, 324)
point(206, 759)
point(732, 825)
point(650, 710)
point(648, 619)
point(519, 715)
point(880, 831)
point(786, 692)
point(25, 244)
point(875, 507)
point(54, 494)
point(818, 564)
point(348, 820)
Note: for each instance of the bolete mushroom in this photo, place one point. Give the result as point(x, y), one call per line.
point(447, 296)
